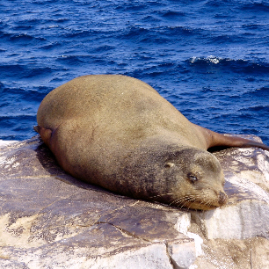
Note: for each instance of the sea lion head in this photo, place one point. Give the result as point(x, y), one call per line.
point(188, 177)
point(198, 179)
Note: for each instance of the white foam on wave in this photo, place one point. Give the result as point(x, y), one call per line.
point(211, 58)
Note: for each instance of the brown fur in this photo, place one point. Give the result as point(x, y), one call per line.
point(119, 133)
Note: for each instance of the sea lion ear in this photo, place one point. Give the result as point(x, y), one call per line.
point(169, 165)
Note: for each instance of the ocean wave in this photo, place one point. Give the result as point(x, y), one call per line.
point(262, 92)
point(172, 14)
point(234, 65)
point(51, 46)
point(158, 35)
point(227, 38)
point(16, 127)
point(133, 6)
point(103, 48)
point(23, 71)
point(13, 37)
point(249, 5)
point(26, 98)
point(255, 6)
point(136, 32)
point(80, 60)
point(207, 60)
point(12, 70)
point(258, 109)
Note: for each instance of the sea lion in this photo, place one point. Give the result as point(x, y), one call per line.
point(119, 133)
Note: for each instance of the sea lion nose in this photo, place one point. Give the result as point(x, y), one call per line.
point(222, 198)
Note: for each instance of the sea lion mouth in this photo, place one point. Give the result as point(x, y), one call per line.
point(201, 206)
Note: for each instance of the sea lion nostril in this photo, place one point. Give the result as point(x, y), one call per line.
point(222, 198)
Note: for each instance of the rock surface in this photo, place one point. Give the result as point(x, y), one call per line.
point(49, 219)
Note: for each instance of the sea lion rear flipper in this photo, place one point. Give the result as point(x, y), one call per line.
point(44, 133)
point(36, 128)
point(216, 140)
point(235, 141)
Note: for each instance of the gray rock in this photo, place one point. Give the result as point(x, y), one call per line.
point(49, 219)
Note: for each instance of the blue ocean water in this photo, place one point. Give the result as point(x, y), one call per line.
point(209, 58)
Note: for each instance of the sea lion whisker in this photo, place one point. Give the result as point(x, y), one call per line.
point(188, 205)
point(174, 202)
point(177, 202)
point(182, 202)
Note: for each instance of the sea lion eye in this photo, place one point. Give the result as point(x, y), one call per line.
point(192, 178)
